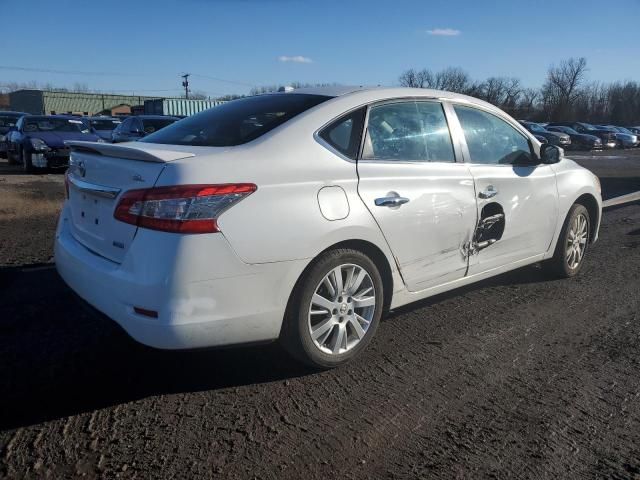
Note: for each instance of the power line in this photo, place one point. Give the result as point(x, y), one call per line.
point(62, 72)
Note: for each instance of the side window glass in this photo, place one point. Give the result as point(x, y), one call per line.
point(408, 131)
point(136, 125)
point(345, 133)
point(435, 131)
point(490, 139)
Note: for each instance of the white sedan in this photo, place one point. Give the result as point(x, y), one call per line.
point(303, 216)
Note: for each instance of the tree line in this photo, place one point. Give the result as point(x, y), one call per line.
point(566, 94)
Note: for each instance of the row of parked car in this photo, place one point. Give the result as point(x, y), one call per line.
point(584, 136)
point(37, 141)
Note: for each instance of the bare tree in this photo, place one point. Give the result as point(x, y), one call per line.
point(562, 87)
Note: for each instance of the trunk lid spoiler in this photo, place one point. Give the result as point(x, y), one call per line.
point(128, 151)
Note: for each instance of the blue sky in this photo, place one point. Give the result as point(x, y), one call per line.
point(144, 46)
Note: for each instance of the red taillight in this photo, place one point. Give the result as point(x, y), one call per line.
point(180, 209)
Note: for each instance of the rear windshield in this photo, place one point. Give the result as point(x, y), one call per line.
point(236, 122)
point(105, 124)
point(52, 124)
point(8, 120)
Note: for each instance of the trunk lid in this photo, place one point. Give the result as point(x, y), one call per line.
point(98, 175)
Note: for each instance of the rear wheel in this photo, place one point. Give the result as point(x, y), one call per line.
point(572, 244)
point(335, 309)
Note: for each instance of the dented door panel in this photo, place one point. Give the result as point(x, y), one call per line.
point(428, 235)
point(528, 198)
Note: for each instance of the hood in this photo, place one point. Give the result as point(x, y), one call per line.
point(57, 139)
point(555, 135)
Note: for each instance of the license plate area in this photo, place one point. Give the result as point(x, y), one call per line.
point(90, 212)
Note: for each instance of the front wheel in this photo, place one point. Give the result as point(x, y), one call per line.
point(335, 309)
point(572, 244)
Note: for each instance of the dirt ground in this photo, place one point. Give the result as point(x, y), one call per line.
point(515, 377)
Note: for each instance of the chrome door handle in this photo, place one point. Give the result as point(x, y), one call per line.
point(488, 192)
point(390, 201)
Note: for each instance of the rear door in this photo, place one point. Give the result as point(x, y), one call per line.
point(517, 198)
point(422, 199)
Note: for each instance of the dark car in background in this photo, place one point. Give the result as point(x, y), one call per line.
point(37, 141)
point(607, 137)
point(104, 126)
point(579, 141)
point(626, 138)
point(8, 121)
point(554, 138)
point(138, 126)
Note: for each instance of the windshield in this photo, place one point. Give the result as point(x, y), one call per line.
point(50, 124)
point(624, 130)
point(106, 124)
point(236, 122)
point(568, 130)
point(8, 120)
point(151, 125)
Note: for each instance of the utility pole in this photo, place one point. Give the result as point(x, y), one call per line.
point(185, 84)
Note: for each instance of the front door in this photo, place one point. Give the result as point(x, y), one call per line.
point(422, 199)
point(517, 198)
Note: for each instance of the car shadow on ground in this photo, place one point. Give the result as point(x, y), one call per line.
point(58, 359)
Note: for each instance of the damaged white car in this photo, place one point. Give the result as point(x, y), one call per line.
point(303, 216)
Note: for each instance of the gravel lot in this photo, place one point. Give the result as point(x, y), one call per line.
point(515, 377)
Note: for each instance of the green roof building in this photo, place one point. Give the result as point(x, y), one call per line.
point(45, 102)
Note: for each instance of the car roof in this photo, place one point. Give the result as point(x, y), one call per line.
point(156, 117)
point(381, 93)
point(8, 112)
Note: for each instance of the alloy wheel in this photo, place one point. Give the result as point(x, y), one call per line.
point(577, 241)
point(342, 309)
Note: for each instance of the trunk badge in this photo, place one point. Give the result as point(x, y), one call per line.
point(137, 178)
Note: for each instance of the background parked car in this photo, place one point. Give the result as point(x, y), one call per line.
point(541, 139)
point(136, 127)
point(104, 126)
point(7, 122)
point(554, 138)
point(579, 141)
point(38, 140)
point(626, 138)
point(608, 138)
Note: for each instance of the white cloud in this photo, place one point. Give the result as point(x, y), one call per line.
point(444, 32)
point(295, 59)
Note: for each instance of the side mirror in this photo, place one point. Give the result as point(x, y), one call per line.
point(550, 153)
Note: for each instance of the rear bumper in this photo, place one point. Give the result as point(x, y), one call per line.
point(203, 294)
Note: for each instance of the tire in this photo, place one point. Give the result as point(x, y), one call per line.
point(564, 264)
point(11, 159)
point(27, 166)
point(336, 338)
